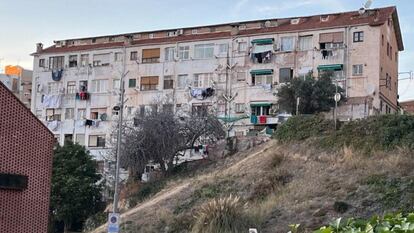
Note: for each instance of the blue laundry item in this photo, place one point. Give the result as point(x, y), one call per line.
point(57, 75)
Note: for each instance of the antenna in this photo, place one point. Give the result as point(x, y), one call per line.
point(368, 4)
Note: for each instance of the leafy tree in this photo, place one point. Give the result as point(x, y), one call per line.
point(315, 95)
point(75, 194)
point(160, 136)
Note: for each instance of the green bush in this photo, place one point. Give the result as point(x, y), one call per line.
point(224, 215)
point(386, 132)
point(388, 223)
point(145, 191)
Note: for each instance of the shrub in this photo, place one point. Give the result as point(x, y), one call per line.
point(224, 215)
point(386, 132)
point(145, 191)
point(388, 223)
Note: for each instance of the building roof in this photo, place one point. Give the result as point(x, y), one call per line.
point(3, 88)
point(372, 17)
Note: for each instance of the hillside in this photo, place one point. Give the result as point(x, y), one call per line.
point(285, 184)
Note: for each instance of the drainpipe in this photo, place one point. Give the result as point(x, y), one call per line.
point(346, 59)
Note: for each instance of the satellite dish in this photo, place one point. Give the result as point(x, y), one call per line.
point(368, 4)
point(370, 89)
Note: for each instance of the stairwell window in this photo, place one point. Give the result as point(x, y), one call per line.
point(119, 57)
point(132, 83)
point(169, 54)
point(97, 141)
point(80, 139)
point(71, 87)
point(168, 82)
point(285, 75)
point(69, 113)
point(357, 70)
point(305, 43)
point(184, 52)
point(287, 44)
point(182, 81)
point(42, 62)
point(73, 60)
point(133, 56)
point(84, 59)
point(204, 51)
point(358, 36)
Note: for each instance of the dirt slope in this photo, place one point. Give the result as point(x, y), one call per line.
point(285, 184)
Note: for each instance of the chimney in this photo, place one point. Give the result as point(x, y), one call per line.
point(128, 40)
point(39, 47)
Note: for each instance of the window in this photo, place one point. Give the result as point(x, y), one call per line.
point(259, 80)
point(150, 55)
point(182, 81)
point(396, 56)
point(391, 52)
point(382, 40)
point(285, 75)
point(388, 49)
point(83, 86)
point(200, 110)
point(305, 43)
point(80, 139)
point(99, 86)
point(116, 84)
point(73, 60)
point(203, 51)
point(168, 82)
point(53, 88)
point(241, 76)
point(71, 87)
point(132, 83)
point(96, 113)
point(223, 48)
point(151, 35)
point(194, 31)
point(149, 83)
point(358, 36)
point(242, 47)
point(240, 107)
point(172, 33)
point(13, 181)
point(68, 138)
point(69, 114)
point(202, 80)
point(133, 56)
point(169, 54)
point(119, 56)
point(260, 110)
point(56, 63)
point(184, 52)
point(357, 70)
point(101, 59)
point(96, 140)
point(81, 113)
point(84, 59)
point(53, 114)
point(287, 44)
point(42, 62)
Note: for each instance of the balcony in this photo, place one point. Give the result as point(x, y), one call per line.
point(331, 56)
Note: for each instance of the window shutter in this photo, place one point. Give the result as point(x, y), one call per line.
point(154, 80)
point(150, 53)
point(335, 37)
point(145, 80)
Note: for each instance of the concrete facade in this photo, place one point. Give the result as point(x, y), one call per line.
point(19, 81)
point(26, 155)
point(171, 68)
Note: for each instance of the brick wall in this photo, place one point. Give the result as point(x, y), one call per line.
point(26, 148)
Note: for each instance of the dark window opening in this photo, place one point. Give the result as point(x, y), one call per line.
point(12, 181)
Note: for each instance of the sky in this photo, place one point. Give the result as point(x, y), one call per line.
point(23, 23)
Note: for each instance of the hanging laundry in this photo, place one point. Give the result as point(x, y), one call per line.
point(80, 123)
point(83, 96)
point(263, 57)
point(57, 75)
point(267, 87)
point(52, 125)
point(202, 93)
point(52, 101)
point(89, 123)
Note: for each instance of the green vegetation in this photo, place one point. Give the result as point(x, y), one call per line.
point(224, 215)
point(315, 95)
point(386, 132)
point(388, 223)
point(75, 194)
point(146, 190)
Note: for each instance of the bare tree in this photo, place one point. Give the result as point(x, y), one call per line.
point(159, 136)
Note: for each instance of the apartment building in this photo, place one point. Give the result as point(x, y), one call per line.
point(19, 81)
point(233, 70)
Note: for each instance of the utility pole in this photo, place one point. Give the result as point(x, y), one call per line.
point(119, 136)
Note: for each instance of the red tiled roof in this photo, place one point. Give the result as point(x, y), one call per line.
point(376, 17)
